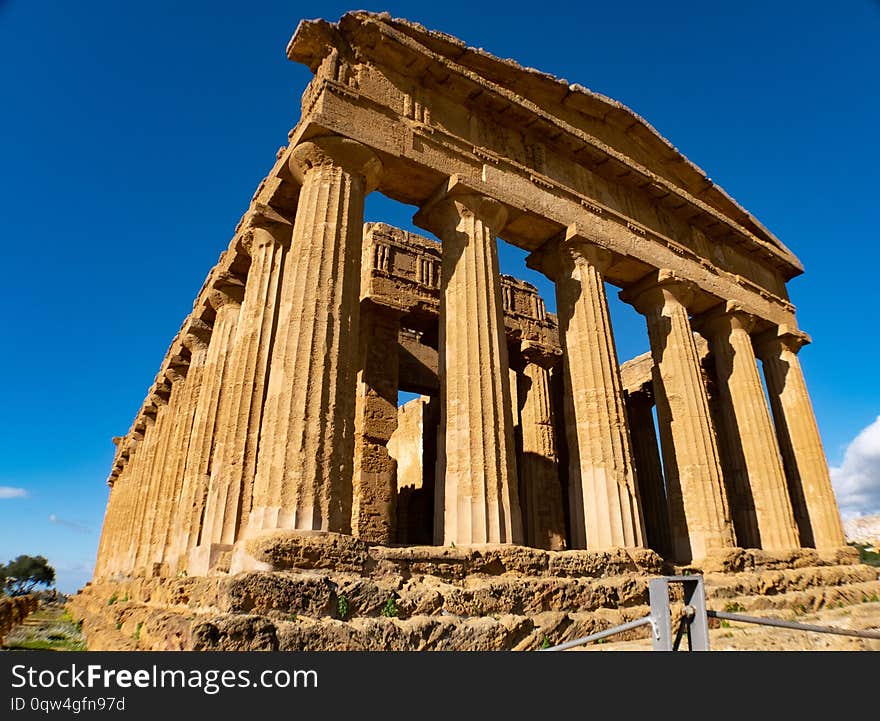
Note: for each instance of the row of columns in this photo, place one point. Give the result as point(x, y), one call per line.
point(254, 429)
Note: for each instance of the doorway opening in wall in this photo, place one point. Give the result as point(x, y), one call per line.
point(414, 446)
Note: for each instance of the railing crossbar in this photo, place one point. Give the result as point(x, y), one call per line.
point(598, 636)
point(723, 615)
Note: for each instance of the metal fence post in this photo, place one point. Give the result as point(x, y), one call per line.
point(661, 617)
point(695, 623)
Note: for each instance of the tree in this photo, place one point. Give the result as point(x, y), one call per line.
point(23, 574)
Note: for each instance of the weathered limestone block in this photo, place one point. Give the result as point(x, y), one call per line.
point(304, 468)
point(476, 492)
point(803, 457)
point(649, 471)
point(746, 421)
point(603, 497)
point(541, 492)
point(232, 473)
point(234, 632)
point(308, 550)
point(373, 516)
point(699, 516)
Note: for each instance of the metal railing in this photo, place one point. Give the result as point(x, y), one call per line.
point(694, 622)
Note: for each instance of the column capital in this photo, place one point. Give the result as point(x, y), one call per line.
point(574, 246)
point(336, 151)
point(656, 289)
point(176, 371)
point(196, 334)
point(159, 397)
point(724, 318)
point(264, 218)
point(785, 336)
point(226, 289)
point(454, 200)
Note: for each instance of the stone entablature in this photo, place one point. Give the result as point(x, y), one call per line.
point(555, 154)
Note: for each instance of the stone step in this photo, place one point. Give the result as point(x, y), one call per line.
point(801, 601)
point(436, 633)
point(769, 583)
point(340, 597)
point(296, 551)
point(293, 610)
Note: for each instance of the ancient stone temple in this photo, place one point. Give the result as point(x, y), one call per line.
point(271, 440)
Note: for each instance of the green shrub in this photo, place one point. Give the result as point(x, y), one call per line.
point(389, 610)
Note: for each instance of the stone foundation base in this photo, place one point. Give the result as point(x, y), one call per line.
point(333, 592)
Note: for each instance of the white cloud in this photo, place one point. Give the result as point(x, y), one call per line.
point(10, 492)
point(857, 480)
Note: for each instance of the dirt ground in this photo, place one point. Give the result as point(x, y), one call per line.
point(748, 637)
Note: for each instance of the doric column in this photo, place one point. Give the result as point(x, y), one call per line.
point(649, 471)
point(306, 447)
point(194, 339)
point(476, 492)
point(161, 482)
point(266, 240)
point(603, 497)
point(746, 420)
point(127, 498)
point(225, 298)
point(153, 437)
point(806, 469)
point(108, 529)
point(373, 516)
point(699, 517)
point(541, 492)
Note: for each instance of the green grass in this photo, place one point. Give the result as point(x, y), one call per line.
point(870, 558)
point(56, 631)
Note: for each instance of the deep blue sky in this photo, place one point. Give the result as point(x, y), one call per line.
point(133, 135)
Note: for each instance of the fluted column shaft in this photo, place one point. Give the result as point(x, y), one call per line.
point(699, 516)
point(374, 516)
point(649, 471)
point(232, 476)
point(179, 447)
point(225, 299)
point(747, 421)
point(603, 497)
point(108, 532)
point(305, 459)
point(476, 492)
point(141, 485)
point(803, 457)
point(127, 499)
point(157, 488)
point(541, 492)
